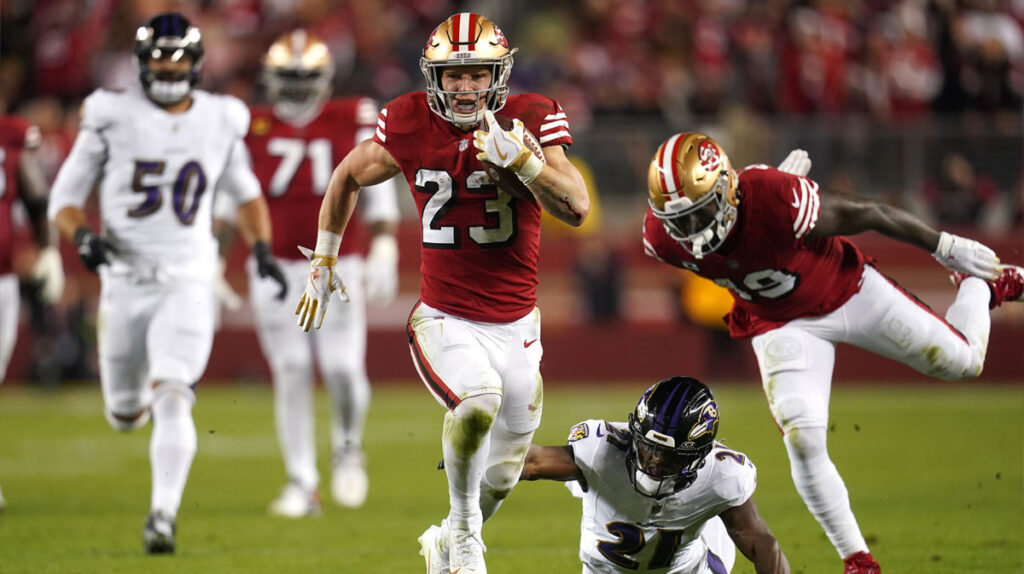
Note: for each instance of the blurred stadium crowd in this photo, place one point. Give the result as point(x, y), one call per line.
point(902, 58)
point(938, 83)
point(677, 63)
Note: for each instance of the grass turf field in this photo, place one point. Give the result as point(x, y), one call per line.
point(935, 474)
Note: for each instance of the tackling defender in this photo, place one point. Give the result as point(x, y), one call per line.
point(775, 241)
point(295, 143)
point(158, 151)
point(659, 493)
point(475, 334)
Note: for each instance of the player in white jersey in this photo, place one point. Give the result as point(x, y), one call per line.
point(158, 153)
point(659, 493)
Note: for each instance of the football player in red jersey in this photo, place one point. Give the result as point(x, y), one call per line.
point(295, 143)
point(799, 288)
point(21, 178)
point(475, 333)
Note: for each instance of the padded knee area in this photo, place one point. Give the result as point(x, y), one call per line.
point(468, 424)
point(127, 422)
point(503, 474)
point(806, 443)
point(170, 398)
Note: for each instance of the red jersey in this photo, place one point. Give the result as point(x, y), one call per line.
point(294, 165)
point(15, 135)
point(479, 245)
point(773, 270)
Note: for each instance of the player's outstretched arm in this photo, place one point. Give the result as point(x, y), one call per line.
point(754, 539)
point(367, 164)
point(551, 463)
point(254, 226)
point(845, 214)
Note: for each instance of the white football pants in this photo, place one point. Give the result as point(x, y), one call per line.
point(151, 331)
point(488, 376)
point(797, 359)
point(339, 348)
point(9, 313)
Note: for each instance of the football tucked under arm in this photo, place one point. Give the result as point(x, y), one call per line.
point(512, 158)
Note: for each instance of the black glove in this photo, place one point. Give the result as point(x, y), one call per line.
point(267, 267)
point(91, 248)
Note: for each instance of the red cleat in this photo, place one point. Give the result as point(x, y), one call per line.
point(1009, 286)
point(861, 563)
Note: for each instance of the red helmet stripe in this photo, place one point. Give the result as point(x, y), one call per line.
point(464, 30)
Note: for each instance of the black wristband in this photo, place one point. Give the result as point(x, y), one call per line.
point(261, 250)
point(82, 234)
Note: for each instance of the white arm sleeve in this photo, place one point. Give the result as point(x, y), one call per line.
point(80, 170)
point(225, 208)
point(239, 179)
point(380, 202)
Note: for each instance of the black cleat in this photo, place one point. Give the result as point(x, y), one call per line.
point(158, 534)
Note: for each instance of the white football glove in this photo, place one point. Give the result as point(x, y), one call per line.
point(796, 163)
point(225, 293)
point(967, 256)
point(382, 269)
point(49, 271)
point(322, 282)
point(507, 149)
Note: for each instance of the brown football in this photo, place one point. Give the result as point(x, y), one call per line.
point(505, 178)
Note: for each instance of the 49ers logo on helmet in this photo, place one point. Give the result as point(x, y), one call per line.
point(710, 159)
point(499, 36)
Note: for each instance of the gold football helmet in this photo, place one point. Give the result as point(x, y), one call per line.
point(298, 71)
point(692, 189)
point(466, 39)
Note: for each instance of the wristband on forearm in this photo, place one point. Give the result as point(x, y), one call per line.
point(327, 243)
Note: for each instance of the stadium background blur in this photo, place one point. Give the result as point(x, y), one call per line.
point(916, 102)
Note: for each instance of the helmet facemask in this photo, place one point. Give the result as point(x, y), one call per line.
point(672, 430)
point(701, 227)
point(657, 468)
point(298, 73)
point(168, 37)
point(442, 102)
point(692, 189)
point(466, 39)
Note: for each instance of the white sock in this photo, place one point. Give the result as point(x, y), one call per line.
point(822, 489)
point(293, 416)
point(172, 445)
point(466, 442)
point(349, 392)
point(969, 313)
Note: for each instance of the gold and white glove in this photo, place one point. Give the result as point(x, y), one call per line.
point(796, 163)
point(507, 149)
point(382, 269)
point(967, 256)
point(322, 281)
point(49, 271)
